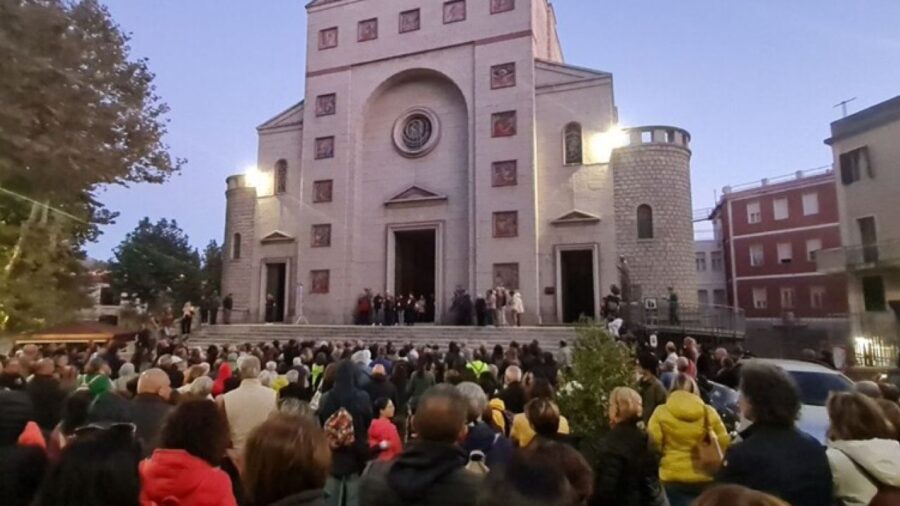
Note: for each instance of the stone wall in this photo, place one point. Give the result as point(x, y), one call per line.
point(656, 172)
point(238, 273)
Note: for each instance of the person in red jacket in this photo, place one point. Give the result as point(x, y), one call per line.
point(384, 439)
point(183, 469)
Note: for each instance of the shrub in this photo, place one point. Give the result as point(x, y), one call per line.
point(599, 364)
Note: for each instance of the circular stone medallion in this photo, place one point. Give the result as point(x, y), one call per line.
point(416, 132)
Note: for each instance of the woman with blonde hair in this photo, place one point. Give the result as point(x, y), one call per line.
point(628, 468)
point(863, 452)
point(736, 495)
point(686, 431)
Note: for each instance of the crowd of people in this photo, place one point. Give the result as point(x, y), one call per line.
point(498, 307)
point(292, 423)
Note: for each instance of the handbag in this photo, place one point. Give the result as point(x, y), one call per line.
point(707, 455)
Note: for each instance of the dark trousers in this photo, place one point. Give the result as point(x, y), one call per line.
point(186, 325)
point(213, 315)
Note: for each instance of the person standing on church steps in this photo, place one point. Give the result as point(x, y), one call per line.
point(673, 307)
point(270, 308)
point(227, 306)
point(213, 308)
point(378, 307)
point(401, 310)
point(390, 310)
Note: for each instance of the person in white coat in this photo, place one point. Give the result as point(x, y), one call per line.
point(862, 449)
point(516, 308)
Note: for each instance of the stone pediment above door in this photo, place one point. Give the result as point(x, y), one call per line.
point(415, 195)
point(276, 237)
point(576, 217)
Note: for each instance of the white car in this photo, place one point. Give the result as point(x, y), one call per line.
point(815, 383)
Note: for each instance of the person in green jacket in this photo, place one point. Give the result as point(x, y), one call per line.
point(653, 393)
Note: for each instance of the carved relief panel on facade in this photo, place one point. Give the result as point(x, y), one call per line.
point(507, 275)
point(326, 105)
point(504, 173)
point(503, 76)
point(328, 38)
point(454, 11)
point(324, 147)
point(498, 6)
point(410, 20)
point(506, 224)
point(322, 191)
point(503, 124)
point(319, 281)
point(321, 236)
point(367, 30)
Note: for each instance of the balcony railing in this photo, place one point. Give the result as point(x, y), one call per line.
point(880, 255)
point(720, 321)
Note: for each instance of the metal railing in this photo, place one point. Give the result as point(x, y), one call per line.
point(699, 319)
point(861, 256)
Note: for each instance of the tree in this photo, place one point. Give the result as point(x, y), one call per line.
point(599, 364)
point(156, 263)
point(212, 269)
point(77, 113)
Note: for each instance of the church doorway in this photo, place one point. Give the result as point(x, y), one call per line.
point(415, 267)
point(276, 286)
point(577, 285)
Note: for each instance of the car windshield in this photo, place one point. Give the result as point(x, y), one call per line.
point(815, 386)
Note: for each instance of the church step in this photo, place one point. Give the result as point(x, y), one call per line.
point(548, 337)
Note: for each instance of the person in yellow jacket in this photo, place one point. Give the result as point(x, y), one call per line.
point(676, 428)
point(522, 432)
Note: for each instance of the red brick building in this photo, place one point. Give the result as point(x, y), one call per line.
point(770, 232)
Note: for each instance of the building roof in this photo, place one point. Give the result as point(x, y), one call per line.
point(292, 116)
point(865, 120)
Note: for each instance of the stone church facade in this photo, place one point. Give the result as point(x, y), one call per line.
point(444, 145)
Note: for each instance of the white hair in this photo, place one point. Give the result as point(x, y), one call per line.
point(265, 378)
point(202, 386)
point(248, 367)
point(513, 374)
point(271, 365)
point(475, 397)
point(292, 376)
point(297, 361)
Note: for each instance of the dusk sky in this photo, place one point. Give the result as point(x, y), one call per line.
point(754, 81)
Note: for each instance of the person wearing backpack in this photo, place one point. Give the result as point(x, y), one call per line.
point(862, 452)
point(346, 413)
point(431, 471)
point(482, 437)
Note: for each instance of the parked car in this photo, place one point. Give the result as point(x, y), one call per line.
point(815, 382)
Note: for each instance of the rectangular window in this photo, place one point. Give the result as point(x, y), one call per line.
point(454, 11)
point(719, 298)
point(785, 253)
point(410, 21)
point(760, 298)
point(780, 208)
point(854, 164)
point(715, 259)
point(787, 297)
point(703, 297)
point(757, 258)
point(868, 238)
point(498, 6)
point(700, 260)
point(328, 38)
point(817, 297)
point(810, 203)
point(367, 30)
point(812, 246)
point(753, 212)
point(873, 293)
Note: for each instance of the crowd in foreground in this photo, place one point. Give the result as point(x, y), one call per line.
point(344, 424)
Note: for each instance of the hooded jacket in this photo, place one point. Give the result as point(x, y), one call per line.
point(175, 477)
point(219, 384)
point(880, 458)
point(425, 474)
point(345, 394)
point(675, 428)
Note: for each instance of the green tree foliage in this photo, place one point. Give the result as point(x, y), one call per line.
point(76, 113)
point(212, 269)
point(156, 263)
point(599, 364)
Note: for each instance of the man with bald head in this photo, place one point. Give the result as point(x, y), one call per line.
point(431, 470)
point(151, 406)
point(380, 386)
point(46, 394)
